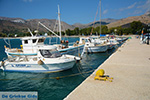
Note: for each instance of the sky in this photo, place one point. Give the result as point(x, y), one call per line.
point(73, 11)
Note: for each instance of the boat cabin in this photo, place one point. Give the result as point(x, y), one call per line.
point(49, 52)
point(30, 44)
point(83, 40)
point(27, 41)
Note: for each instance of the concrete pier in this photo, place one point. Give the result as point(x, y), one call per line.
point(130, 68)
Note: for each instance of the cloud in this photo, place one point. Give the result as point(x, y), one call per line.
point(145, 6)
point(105, 11)
point(142, 7)
point(132, 6)
point(137, 12)
point(27, 0)
point(128, 7)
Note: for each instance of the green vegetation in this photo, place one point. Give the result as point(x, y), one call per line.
point(135, 27)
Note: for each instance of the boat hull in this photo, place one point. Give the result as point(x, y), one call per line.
point(36, 68)
point(94, 49)
point(111, 46)
point(21, 54)
point(71, 50)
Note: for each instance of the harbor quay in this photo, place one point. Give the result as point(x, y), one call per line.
point(130, 68)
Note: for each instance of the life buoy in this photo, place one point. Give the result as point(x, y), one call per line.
point(62, 41)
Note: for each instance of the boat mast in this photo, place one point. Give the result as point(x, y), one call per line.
point(100, 18)
point(59, 22)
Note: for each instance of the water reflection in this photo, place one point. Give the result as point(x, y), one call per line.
point(54, 86)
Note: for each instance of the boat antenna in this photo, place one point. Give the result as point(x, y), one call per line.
point(59, 22)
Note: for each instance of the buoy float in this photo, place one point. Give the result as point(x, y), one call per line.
point(2, 63)
point(21, 47)
point(77, 42)
point(57, 78)
point(40, 62)
point(67, 41)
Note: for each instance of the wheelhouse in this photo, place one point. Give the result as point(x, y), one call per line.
point(32, 41)
point(46, 52)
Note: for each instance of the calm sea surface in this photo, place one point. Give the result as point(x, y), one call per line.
point(47, 86)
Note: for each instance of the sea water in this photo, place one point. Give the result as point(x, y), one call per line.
point(50, 86)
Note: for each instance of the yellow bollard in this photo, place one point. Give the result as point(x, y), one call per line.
point(100, 76)
point(100, 72)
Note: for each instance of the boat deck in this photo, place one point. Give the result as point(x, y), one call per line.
point(130, 68)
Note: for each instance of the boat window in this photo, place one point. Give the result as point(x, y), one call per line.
point(45, 53)
point(50, 53)
point(55, 54)
point(34, 40)
point(26, 41)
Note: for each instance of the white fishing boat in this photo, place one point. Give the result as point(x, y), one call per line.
point(121, 39)
point(64, 46)
point(93, 47)
point(94, 44)
point(35, 56)
point(48, 59)
point(29, 46)
point(112, 43)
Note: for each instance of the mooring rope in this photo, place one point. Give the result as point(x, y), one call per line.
point(59, 77)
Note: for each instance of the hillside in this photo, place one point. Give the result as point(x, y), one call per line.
point(19, 25)
point(145, 19)
point(16, 25)
point(97, 23)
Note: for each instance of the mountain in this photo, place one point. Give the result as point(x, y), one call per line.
point(12, 24)
point(18, 20)
point(145, 19)
point(50, 23)
point(147, 13)
point(19, 25)
point(16, 25)
point(96, 23)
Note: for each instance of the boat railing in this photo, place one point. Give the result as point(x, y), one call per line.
point(11, 60)
point(14, 50)
point(71, 43)
point(21, 59)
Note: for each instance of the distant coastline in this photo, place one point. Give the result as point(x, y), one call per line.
point(28, 36)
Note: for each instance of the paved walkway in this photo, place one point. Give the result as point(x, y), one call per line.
point(130, 68)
